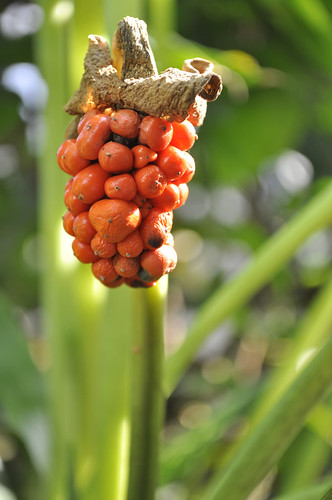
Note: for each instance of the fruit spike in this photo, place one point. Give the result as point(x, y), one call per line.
point(127, 155)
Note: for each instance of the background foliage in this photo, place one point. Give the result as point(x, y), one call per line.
point(262, 155)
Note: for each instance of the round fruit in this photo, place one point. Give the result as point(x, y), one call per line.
point(115, 158)
point(114, 219)
point(150, 180)
point(131, 246)
point(104, 271)
point(155, 132)
point(94, 133)
point(143, 155)
point(88, 184)
point(69, 159)
point(104, 249)
point(169, 198)
point(156, 263)
point(173, 162)
point(184, 135)
point(83, 229)
point(155, 228)
point(125, 122)
point(68, 222)
point(122, 187)
point(127, 267)
point(83, 252)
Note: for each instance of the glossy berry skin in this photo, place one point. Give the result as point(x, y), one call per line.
point(143, 155)
point(115, 158)
point(122, 187)
point(104, 249)
point(94, 134)
point(156, 263)
point(169, 198)
point(150, 180)
point(69, 159)
point(88, 184)
point(189, 173)
point(173, 162)
point(68, 222)
point(83, 252)
point(184, 193)
point(85, 118)
point(156, 133)
point(125, 122)
point(127, 267)
point(73, 204)
point(83, 229)
point(114, 219)
point(184, 135)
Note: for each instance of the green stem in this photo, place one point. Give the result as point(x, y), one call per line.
point(146, 392)
point(253, 460)
point(267, 261)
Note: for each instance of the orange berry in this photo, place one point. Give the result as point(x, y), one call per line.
point(189, 172)
point(143, 155)
point(127, 267)
point(150, 180)
point(88, 184)
point(169, 198)
point(83, 229)
point(68, 222)
point(131, 246)
point(122, 187)
point(155, 132)
point(173, 162)
point(105, 272)
point(86, 117)
point(83, 252)
point(73, 204)
point(114, 219)
point(184, 135)
point(69, 158)
point(125, 122)
point(94, 134)
point(155, 227)
point(116, 158)
point(184, 192)
point(104, 249)
point(156, 263)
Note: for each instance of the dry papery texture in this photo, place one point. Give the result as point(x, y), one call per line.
point(130, 79)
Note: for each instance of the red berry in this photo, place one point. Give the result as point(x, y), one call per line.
point(131, 246)
point(155, 132)
point(85, 118)
point(150, 180)
point(127, 267)
point(83, 252)
point(169, 198)
point(189, 173)
point(143, 155)
point(116, 158)
point(122, 187)
point(184, 135)
point(93, 135)
point(68, 222)
point(73, 204)
point(83, 229)
point(88, 184)
point(69, 159)
point(156, 263)
point(155, 228)
point(173, 162)
point(114, 219)
point(104, 249)
point(105, 272)
point(125, 122)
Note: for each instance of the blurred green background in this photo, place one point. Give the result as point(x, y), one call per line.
point(264, 150)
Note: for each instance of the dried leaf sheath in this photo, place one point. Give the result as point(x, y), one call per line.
point(170, 94)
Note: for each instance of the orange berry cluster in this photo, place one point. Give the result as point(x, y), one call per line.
point(128, 174)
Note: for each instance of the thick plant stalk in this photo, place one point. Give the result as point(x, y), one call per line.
point(267, 261)
point(277, 430)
